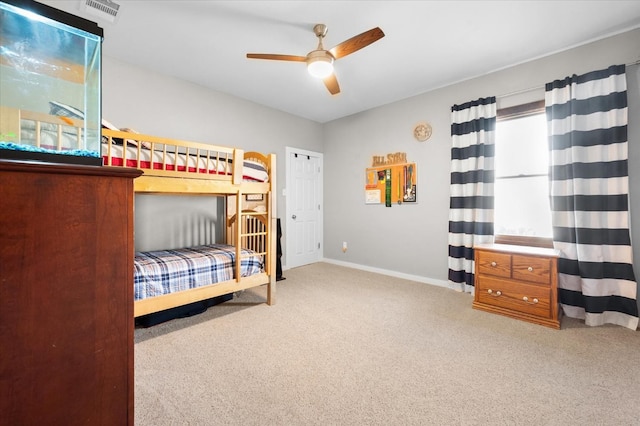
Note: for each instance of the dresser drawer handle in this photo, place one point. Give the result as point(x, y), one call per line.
point(530, 269)
point(494, 264)
point(533, 302)
point(496, 294)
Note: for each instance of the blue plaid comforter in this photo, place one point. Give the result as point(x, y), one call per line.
point(168, 271)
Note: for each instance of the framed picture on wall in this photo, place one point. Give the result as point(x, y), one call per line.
point(391, 184)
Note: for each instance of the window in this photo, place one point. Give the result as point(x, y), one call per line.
point(522, 211)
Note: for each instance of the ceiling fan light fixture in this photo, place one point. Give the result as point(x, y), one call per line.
point(320, 66)
point(320, 61)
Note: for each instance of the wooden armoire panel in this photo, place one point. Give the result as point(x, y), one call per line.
point(66, 294)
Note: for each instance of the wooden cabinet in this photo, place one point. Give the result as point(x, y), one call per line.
point(519, 282)
point(66, 294)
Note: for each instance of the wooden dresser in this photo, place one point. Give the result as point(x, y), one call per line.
point(517, 281)
point(66, 294)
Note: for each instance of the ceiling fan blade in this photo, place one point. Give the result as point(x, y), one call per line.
point(356, 43)
point(276, 57)
point(332, 84)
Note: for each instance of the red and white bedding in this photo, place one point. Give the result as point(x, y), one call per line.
point(49, 136)
point(62, 137)
point(157, 160)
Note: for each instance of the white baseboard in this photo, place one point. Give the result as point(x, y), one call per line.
point(396, 274)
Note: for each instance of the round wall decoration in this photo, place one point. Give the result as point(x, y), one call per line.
point(422, 132)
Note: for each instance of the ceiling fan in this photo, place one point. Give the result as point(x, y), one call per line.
point(320, 61)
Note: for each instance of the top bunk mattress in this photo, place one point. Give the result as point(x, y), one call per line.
point(145, 158)
point(117, 154)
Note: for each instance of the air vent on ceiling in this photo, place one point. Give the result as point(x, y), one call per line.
point(105, 9)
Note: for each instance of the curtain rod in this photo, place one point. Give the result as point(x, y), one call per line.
point(531, 89)
point(517, 92)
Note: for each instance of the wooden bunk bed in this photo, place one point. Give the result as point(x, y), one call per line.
point(246, 181)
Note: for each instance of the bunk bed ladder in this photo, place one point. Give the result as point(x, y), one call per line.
point(271, 238)
point(238, 234)
point(252, 230)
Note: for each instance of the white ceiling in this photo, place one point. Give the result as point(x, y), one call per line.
point(428, 44)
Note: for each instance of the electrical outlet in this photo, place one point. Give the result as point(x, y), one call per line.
point(344, 246)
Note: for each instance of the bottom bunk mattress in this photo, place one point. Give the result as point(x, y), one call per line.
point(169, 271)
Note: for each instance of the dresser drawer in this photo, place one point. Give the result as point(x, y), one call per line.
point(525, 298)
point(491, 263)
point(534, 269)
point(518, 282)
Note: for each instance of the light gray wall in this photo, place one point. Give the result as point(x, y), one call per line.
point(406, 239)
point(31, 91)
point(169, 221)
point(412, 239)
point(152, 103)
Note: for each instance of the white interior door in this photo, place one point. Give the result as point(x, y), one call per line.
point(304, 208)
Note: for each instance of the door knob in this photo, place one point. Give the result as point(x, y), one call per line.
point(293, 216)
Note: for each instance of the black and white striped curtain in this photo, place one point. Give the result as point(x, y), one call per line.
point(472, 178)
point(589, 187)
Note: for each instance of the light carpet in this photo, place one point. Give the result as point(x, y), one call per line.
point(348, 347)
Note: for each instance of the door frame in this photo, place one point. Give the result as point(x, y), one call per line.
point(288, 238)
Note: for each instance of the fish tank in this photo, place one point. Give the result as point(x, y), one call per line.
point(50, 85)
